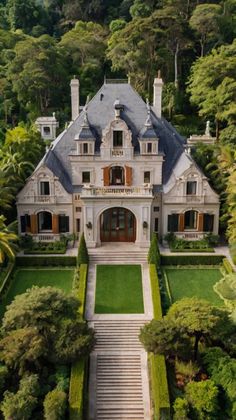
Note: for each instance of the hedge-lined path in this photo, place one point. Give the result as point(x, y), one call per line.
point(118, 380)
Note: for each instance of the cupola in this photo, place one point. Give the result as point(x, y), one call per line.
point(85, 138)
point(148, 139)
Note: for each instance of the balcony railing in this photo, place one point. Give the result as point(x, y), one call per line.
point(193, 199)
point(44, 199)
point(116, 192)
point(117, 152)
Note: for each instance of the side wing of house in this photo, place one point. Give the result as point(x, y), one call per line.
point(44, 206)
point(190, 206)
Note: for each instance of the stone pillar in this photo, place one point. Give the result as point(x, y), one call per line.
point(55, 224)
point(200, 222)
point(34, 223)
point(74, 85)
point(181, 222)
point(157, 94)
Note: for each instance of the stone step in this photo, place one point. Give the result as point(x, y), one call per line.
point(119, 392)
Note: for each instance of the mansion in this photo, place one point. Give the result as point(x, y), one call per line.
point(118, 172)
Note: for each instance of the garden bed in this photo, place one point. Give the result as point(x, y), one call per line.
point(119, 289)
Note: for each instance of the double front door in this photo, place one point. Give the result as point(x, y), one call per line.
point(118, 225)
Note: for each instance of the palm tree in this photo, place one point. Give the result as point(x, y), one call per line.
point(8, 239)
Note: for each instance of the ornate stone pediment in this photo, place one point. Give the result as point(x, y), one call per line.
point(115, 125)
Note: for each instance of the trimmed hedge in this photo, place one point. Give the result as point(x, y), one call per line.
point(160, 392)
point(192, 259)
point(156, 297)
point(81, 294)
point(160, 387)
point(227, 266)
point(82, 257)
point(65, 261)
point(192, 250)
point(78, 370)
point(76, 392)
point(44, 252)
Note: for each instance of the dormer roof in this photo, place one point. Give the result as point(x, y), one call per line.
point(85, 132)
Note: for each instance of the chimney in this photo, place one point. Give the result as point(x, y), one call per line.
point(74, 86)
point(157, 94)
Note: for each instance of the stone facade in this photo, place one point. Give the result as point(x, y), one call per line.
point(118, 172)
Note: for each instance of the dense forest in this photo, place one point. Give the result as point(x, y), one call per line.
point(45, 42)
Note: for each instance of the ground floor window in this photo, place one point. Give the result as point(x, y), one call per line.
point(44, 221)
point(190, 219)
point(208, 222)
point(63, 223)
point(25, 223)
point(173, 222)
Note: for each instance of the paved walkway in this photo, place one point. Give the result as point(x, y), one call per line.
point(118, 380)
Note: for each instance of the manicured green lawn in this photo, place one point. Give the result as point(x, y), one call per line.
point(26, 278)
point(119, 289)
point(189, 282)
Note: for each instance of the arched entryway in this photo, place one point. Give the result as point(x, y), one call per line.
point(44, 221)
point(117, 224)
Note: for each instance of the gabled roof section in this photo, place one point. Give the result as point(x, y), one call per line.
point(100, 112)
point(55, 165)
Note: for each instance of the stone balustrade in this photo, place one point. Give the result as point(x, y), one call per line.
point(115, 191)
point(184, 199)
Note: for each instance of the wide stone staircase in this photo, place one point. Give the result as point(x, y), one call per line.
point(118, 372)
point(116, 256)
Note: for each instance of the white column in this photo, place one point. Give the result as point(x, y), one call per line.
point(157, 94)
point(74, 85)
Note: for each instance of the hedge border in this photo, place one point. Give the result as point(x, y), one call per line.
point(193, 250)
point(191, 259)
point(228, 266)
point(78, 369)
point(160, 391)
point(49, 261)
point(7, 277)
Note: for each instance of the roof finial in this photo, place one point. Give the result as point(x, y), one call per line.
point(85, 120)
point(148, 122)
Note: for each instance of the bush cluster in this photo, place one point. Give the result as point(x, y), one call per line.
point(191, 259)
point(82, 257)
point(227, 266)
point(154, 253)
point(49, 261)
point(180, 244)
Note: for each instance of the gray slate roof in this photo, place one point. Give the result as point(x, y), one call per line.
point(100, 112)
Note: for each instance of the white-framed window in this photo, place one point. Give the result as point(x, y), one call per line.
point(85, 148)
point(191, 188)
point(44, 188)
point(86, 177)
point(117, 138)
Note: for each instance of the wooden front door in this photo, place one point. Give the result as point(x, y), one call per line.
point(118, 225)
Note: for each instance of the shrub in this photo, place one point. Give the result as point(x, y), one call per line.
point(181, 409)
point(154, 253)
point(20, 405)
point(203, 398)
point(48, 261)
point(227, 266)
point(81, 292)
point(226, 289)
point(212, 239)
point(77, 390)
point(3, 376)
point(55, 405)
point(191, 259)
point(83, 257)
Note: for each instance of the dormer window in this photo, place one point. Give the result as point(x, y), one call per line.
point(117, 138)
point(149, 148)
point(85, 148)
point(44, 188)
point(191, 188)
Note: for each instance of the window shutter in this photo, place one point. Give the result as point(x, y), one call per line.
point(55, 224)
point(22, 224)
point(181, 222)
point(106, 179)
point(173, 222)
point(200, 222)
point(208, 222)
point(34, 223)
point(128, 176)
